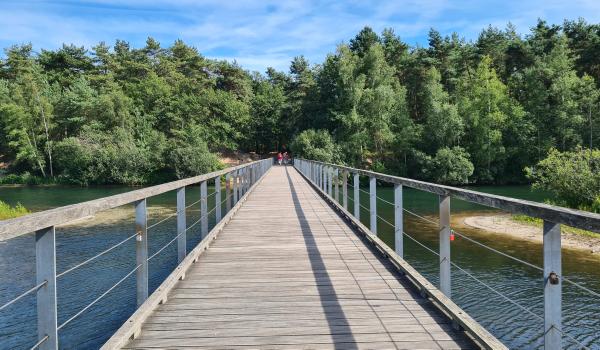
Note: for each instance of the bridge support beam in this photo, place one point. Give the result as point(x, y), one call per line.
point(445, 283)
point(398, 221)
point(552, 287)
point(373, 204)
point(141, 251)
point(203, 210)
point(45, 258)
point(181, 224)
point(357, 196)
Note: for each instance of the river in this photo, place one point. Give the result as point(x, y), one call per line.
point(75, 243)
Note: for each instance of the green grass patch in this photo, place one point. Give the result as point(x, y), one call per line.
point(8, 212)
point(524, 219)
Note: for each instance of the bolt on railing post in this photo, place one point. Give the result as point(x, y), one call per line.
point(228, 198)
point(373, 203)
point(356, 196)
point(181, 224)
point(217, 199)
point(336, 179)
point(398, 221)
point(141, 251)
point(345, 189)
point(203, 210)
point(45, 258)
point(445, 273)
point(552, 286)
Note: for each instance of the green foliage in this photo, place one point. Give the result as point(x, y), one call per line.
point(573, 176)
point(317, 145)
point(8, 212)
point(452, 166)
point(190, 156)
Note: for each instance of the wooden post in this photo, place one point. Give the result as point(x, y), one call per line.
point(398, 221)
point(345, 189)
point(373, 204)
point(45, 264)
point(228, 198)
point(445, 284)
point(203, 210)
point(141, 251)
point(357, 196)
point(217, 199)
point(181, 224)
point(552, 286)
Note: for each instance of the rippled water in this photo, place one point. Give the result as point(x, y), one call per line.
point(76, 243)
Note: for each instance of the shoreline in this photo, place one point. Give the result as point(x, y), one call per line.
point(504, 224)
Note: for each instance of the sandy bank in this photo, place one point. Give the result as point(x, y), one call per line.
point(504, 224)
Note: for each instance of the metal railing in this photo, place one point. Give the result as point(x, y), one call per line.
point(238, 180)
point(327, 178)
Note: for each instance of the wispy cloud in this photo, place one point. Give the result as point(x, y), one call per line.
point(258, 34)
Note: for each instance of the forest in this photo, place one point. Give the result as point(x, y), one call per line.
point(491, 110)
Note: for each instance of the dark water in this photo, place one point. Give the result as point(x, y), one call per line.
point(517, 329)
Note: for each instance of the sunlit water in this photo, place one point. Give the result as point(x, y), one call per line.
point(516, 328)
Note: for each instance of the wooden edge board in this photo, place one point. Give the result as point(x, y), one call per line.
point(131, 328)
point(479, 334)
point(12, 228)
point(572, 217)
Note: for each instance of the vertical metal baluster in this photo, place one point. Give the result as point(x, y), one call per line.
point(373, 204)
point(398, 221)
point(141, 251)
point(203, 210)
point(357, 196)
point(235, 187)
point(217, 199)
point(336, 179)
point(552, 286)
point(329, 181)
point(228, 198)
point(345, 189)
point(45, 259)
point(445, 273)
point(181, 224)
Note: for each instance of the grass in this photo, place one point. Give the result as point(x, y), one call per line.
point(8, 212)
point(524, 219)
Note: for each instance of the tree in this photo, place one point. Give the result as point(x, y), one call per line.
point(316, 145)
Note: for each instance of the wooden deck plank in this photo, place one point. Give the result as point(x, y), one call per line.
point(288, 272)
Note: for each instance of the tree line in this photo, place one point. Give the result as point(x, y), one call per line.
point(455, 112)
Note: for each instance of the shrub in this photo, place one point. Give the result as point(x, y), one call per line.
point(316, 145)
point(452, 166)
point(8, 212)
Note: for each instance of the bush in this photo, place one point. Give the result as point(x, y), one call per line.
point(316, 145)
point(452, 166)
point(190, 156)
point(574, 177)
point(8, 212)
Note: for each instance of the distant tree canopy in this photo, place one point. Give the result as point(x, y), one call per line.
point(453, 112)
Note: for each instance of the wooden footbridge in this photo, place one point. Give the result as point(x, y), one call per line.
point(288, 266)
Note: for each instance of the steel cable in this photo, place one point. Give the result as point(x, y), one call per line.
point(22, 295)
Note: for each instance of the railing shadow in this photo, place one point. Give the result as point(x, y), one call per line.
point(341, 333)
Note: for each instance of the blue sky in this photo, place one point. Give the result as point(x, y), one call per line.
point(259, 34)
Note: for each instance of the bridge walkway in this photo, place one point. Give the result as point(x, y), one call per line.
point(288, 272)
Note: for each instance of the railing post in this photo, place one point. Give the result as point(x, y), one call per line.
point(398, 221)
point(373, 203)
point(203, 210)
point(329, 181)
point(324, 179)
point(228, 198)
point(445, 285)
point(217, 199)
point(345, 189)
point(141, 251)
point(336, 179)
point(181, 224)
point(235, 187)
point(357, 196)
point(552, 286)
point(45, 259)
